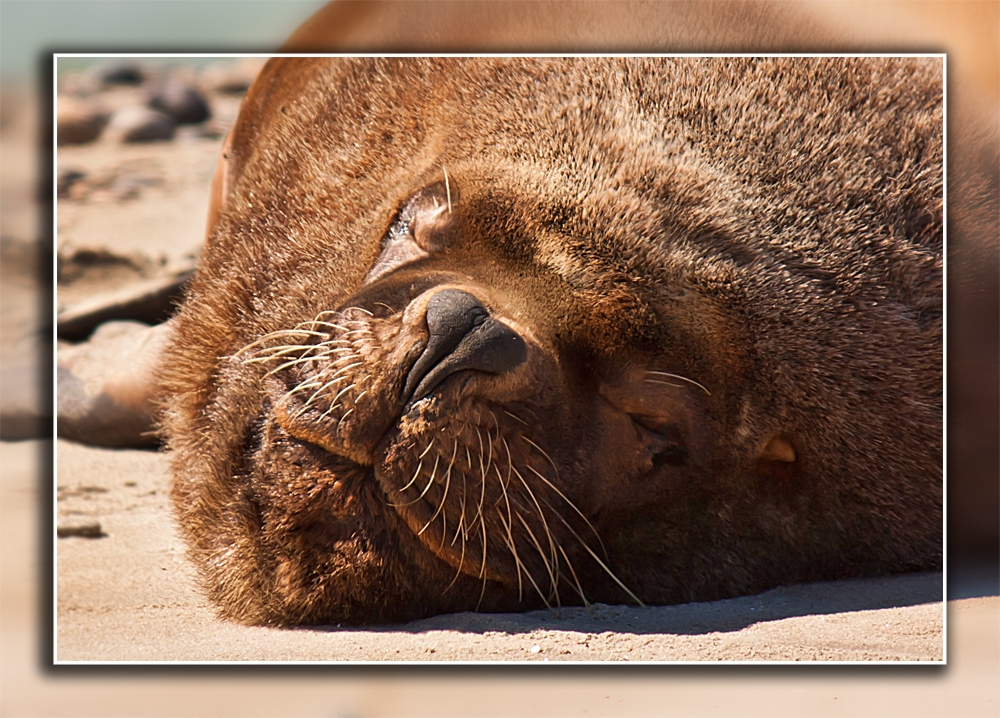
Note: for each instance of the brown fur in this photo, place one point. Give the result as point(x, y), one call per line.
point(728, 276)
point(966, 30)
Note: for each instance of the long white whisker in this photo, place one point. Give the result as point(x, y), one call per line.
point(675, 376)
point(545, 525)
point(576, 581)
point(513, 551)
point(553, 581)
point(601, 563)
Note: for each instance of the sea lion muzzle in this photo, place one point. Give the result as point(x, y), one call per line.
point(461, 335)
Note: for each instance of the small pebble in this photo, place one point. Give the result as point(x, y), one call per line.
point(536, 649)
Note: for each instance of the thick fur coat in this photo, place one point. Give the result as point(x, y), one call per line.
point(727, 274)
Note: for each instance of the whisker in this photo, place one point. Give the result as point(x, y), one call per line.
point(675, 376)
point(545, 525)
point(431, 480)
point(531, 578)
point(570, 504)
point(286, 365)
point(516, 418)
point(576, 581)
point(420, 465)
point(601, 563)
point(333, 403)
point(482, 572)
point(278, 350)
point(461, 563)
point(315, 395)
point(479, 435)
point(447, 483)
point(428, 448)
point(447, 188)
point(460, 529)
point(553, 584)
point(319, 322)
point(301, 387)
point(513, 550)
point(276, 335)
point(345, 368)
point(479, 510)
point(489, 453)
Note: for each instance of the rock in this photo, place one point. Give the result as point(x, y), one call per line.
point(75, 264)
point(121, 72)
point(141, 124)
point(23, 413)
point(66, 179)
point(78, 122)
point(105, 388)
point(180, 99)
point(25, 349)
point(79, 526)
point(151, 301)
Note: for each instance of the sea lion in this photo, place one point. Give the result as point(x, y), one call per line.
point(505, 333)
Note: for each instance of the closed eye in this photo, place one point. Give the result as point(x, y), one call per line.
point(415, 233)
point(664, 441)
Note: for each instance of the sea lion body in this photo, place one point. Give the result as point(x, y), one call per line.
point(504, 333)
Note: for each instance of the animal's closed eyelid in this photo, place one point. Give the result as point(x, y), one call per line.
point(417, 230)
point(395, 253)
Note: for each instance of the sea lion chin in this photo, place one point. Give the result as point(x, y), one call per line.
point(455, 345)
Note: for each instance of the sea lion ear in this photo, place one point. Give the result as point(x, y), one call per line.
point(778, 459)
point(418, 230)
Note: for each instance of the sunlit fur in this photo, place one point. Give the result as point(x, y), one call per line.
point(727, 274)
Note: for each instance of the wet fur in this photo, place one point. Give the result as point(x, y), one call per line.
point(759, 239)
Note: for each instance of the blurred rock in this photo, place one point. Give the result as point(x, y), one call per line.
point(105, 387)
point(231, 78)
point(22, 414)
point(121, 72)
point(150, 301)
point(141, 124)
point(76, 263)
point(66, 179)
point(181, 99)
point(78, 121)
point(25, 350)
point(79, 526)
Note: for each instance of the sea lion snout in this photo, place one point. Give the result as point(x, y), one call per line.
point(462, 335)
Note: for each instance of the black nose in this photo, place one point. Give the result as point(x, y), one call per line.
point(462, 335)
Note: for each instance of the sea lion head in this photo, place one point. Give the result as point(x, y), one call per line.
point(501, 334)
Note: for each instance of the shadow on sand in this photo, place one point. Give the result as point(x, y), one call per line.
point(732, 614)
